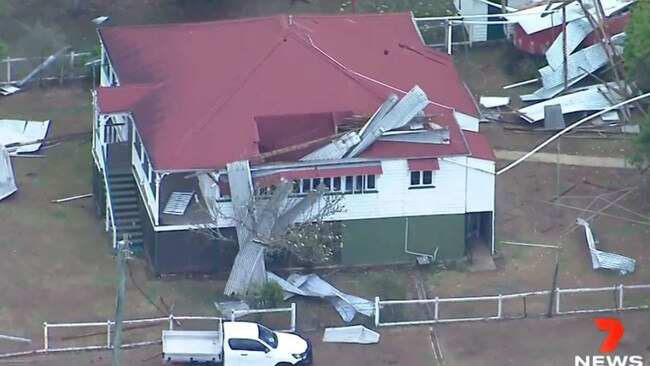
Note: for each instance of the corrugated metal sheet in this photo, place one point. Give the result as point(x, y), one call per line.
point(354, 334)
point(241, 191)
point(440, 136)
point(594, 98)
point(576, 32)
point(535, 22)
point(7, 182)
point(248, 270)
point(586, 60)
point(403, 112)
point(14, 131)
point(335, 150)
point(314, 286)
point(600, 259)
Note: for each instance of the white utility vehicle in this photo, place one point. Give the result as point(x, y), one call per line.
point(236, 344)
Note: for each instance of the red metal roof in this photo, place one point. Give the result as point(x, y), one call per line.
point(118, 99)
point(216, 77)
point(423, 164)
point(479, 146)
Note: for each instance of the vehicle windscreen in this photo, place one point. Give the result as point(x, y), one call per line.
point(268, 336)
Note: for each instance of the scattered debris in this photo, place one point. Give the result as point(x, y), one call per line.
point(493, 102)
point(12, 89)
point(15, 339)
point(313, 286)
point(611, 116)
point(100, 20)
point(606, 260)
point(521, 83)
point(632, 129)
point(553, 117)
point(19, 136)
point(60, 200)
point(226, 308)
point(591, 98)
point(7, 181)
point(177, 203)
point(354, 334)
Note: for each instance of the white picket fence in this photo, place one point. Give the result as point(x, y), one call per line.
point(108, 325)
point(617, 293)
point(13, 69)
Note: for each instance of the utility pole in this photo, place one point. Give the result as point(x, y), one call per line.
point(123, 253)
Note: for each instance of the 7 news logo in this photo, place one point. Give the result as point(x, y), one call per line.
point(615, 331)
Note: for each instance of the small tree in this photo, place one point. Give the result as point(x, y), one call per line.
point(637, 45)
point(266, 296)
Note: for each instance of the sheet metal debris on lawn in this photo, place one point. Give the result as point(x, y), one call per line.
point(313, 286)
point(600, 259)
point(21, 132)
point(592, 98)
point(354, 334)
point(226, 308)
point(7, 181)
point(493, 102)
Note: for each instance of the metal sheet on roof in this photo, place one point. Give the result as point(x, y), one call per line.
point(14, 131)
point(600, 259)
point(587, 60)
point(336, 149)
point(7, 180)
point(544, 93)
point(440, 136)
point(593, 98)
point(402, 113)
point(576, 32)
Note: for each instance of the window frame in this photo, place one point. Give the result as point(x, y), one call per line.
point(421, 179)
point(264, 348)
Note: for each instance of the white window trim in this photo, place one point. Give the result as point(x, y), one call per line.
point(421, 183)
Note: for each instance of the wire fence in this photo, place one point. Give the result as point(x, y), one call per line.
point(511, 306)
point(72, 65)
point(94, 336)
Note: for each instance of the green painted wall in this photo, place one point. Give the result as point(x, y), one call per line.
point(376, 241)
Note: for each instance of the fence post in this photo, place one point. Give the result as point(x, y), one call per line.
point(108, 333)
point(435, 309)
point(500, 306)
point(293, 316)
point(376, 311)
point(8, 60)
point(232, 315)
point(557, 301)
point(171, 322)
point(620, 296)
point(45, 341)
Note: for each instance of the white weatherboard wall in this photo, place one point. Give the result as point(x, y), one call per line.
point(477, 32)
point(480, 185)
point(395, 199)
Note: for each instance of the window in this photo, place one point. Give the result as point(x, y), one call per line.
point(327, 182)
point(241, 344)
point(306, 185)
point(422, 179)
point(336, 186)
point(358, 183)
point(315, 183)
point(268, 336)
point(349, 182)
point(296, 187)
point(370, 183)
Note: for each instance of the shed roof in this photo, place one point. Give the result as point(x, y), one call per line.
point(215, 78)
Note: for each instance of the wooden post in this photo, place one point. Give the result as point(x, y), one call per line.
point(552, 294)
point(8, 60)
point(564, 49)
point(122, 253)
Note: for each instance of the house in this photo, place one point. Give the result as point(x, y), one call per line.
point(177, 103)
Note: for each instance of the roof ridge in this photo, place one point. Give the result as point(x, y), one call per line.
point(195, 24)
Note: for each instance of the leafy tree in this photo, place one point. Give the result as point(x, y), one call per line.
point(637, 64)
point(266, 296)
point(637, 45)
